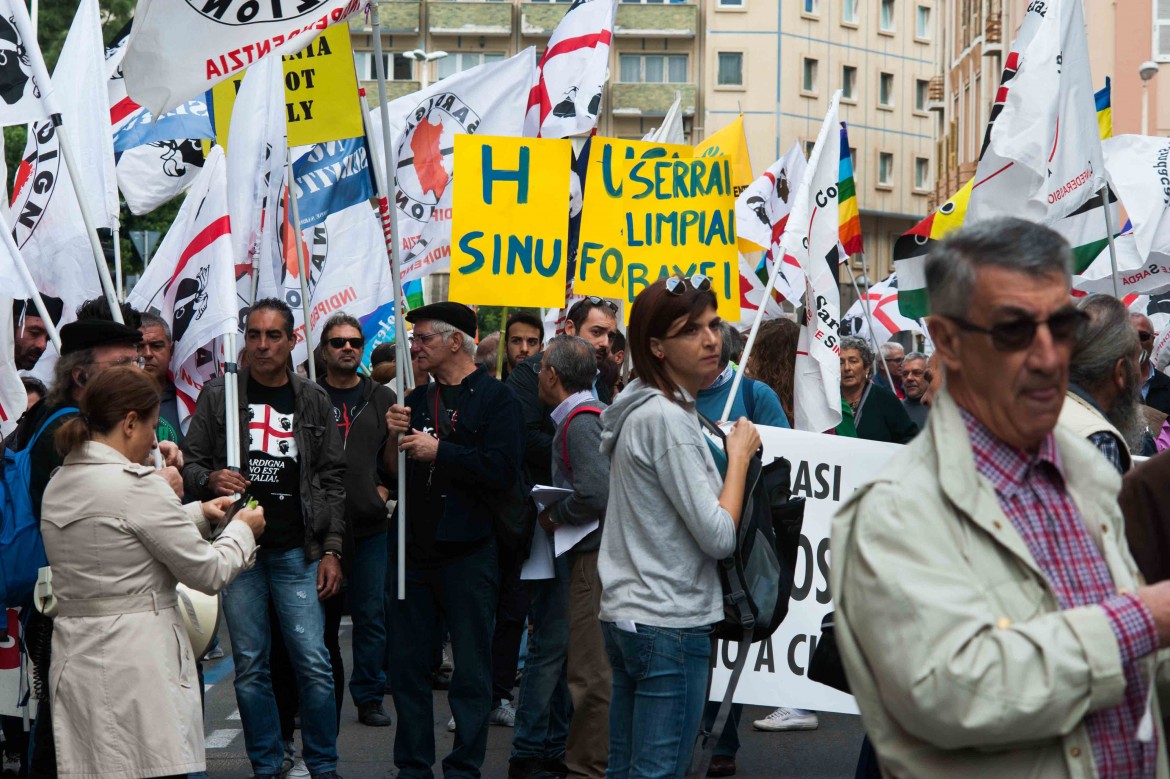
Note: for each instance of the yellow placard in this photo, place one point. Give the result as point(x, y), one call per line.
point(648, 215)
point(731, 141)
point(510, 221)
point(320, 92)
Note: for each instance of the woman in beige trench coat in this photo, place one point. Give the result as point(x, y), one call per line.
point(122, 682)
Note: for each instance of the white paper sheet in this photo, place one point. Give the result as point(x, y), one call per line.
point(568, 536)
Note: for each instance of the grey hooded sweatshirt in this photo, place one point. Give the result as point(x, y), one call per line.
point(664, 528)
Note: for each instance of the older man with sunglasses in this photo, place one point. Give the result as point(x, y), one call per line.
point(990, 617)
point(1155, 383)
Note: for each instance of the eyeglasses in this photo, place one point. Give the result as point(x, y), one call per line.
point(1018, 334)
point(1145, 337)
point(122, 362)
point(424, 337)
point(676, 285)
point(339, 343)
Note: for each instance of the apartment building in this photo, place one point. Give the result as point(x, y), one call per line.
point(776, 61)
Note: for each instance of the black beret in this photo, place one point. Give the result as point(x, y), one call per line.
point(54, 306)
point(88, 333)
point(457, 315)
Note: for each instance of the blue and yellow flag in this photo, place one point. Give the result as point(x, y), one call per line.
point(1105, 110)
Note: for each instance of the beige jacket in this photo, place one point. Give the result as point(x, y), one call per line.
point(1082, 420)
point(122, 683)
point(962, 663)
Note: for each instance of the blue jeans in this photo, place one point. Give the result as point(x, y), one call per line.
point(367, 582)
point(462, 594)
point(542, 716)
point(659, 687)
point(292, 585)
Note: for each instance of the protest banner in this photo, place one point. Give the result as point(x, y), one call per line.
point(320, 93)
point(510, 228)
point(651, 212)
point(825, 474)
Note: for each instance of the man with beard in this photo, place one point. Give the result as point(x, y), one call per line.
point(1104, 392)
point(1155, 384)
point(29, 331)
point(522, 338)
point(914, 384)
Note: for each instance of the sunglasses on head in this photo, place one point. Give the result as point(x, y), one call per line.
point(1016, 334)
point(676, 285)
point(339, 343)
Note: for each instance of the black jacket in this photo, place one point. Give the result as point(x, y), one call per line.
point(365, 511)
point(479, 461)
point(1159, 395)
point(322, 459)
point(883, 418)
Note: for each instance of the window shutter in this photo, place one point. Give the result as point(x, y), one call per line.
point(1162, 30)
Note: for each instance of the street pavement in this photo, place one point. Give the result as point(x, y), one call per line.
point(830, 752)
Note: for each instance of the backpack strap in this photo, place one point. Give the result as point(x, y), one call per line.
point(53, 418)
point(565, 438)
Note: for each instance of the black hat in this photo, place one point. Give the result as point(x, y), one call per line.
point(88, 333)
point(54, 307)
point(457, 315)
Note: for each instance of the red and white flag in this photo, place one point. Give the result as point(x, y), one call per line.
point(13, 398)
point(882, 303)
point(191, 283)
point(573, 72)
point(761, 214)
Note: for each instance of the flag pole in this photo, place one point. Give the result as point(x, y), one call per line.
point(29, 285)
point(396, 265)
point(302, 263)
point(751, 340)
point(117, 233)
point(1104, 192)
point(868, 314)
point(500, 350)
point(231, 385)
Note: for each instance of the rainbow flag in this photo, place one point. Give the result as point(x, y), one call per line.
point(848, 217)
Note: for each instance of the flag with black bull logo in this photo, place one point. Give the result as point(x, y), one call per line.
point(21, 90)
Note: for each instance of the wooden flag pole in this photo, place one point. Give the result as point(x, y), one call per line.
point(500, 350)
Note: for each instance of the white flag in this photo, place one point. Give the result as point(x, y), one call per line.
point(671, 130)
point(489, 100)
point(1042, 158)
point(882, 303)
point(573, 71)
point(13, 398)
point(190, 282)
point(179, 49)
point(23, 76)
point(1139, 168)
point(158, 172)
point(751, 295)
point(761, 214)
point(812, 237)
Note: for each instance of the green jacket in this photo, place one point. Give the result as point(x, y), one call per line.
point(962, 663)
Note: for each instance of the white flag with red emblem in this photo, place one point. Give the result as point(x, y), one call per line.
point(761, 214)
point(487, 100)
point(178, 49)
point(573, 72)
point(190, 282)
point(751, 295)
point(13, 398)
point(882, 303)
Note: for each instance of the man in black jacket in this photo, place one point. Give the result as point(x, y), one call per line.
point(292, 462)
point(464, 440)
point(360, 405)
point(1155, 384)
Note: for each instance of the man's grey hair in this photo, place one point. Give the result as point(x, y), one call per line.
point(1107, 337)
point(151, 319)
point(447, 330)
point(64, 391)
point(1008, 243)
point(914, 356)
point(574, 360)
point(889, 347)
point(730, 338)
point(861, 346)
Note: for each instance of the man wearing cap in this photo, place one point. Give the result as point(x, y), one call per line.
point(30, 333)
point(463, 437)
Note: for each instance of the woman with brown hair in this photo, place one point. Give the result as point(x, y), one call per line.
point(773, 359)
point(122, 683)
point(671, 517)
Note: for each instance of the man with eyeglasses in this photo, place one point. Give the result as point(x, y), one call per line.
point(360, 405)
point(1155, 383)
point(914, 384)
point(989, 616)
point(889, 372)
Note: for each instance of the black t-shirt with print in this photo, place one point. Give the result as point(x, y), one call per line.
point(347, 403)
point(274, 466)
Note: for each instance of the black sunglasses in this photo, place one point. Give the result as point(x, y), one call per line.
point(339, 343)
point(676, 285)
point(1016, 334)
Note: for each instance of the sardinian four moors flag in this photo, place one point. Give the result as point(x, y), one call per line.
point(882, 302)
point(573, 72)
point(761, 214)
point(490, 100)
point(1041, 157)
point(190, 283)
point(813, 238)
point(181, 48)
point(22, 82)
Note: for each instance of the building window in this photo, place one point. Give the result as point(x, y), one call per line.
point(848, 83)
point(921, 94)
point(853, 160)
point(646, 2)
point(1161, 31)
point(885, 169)
point(886, 90)
point(921, 173)
point(730, 69)
point(849, 11)
point(887, 19)
point(808, 82)
point(810, 7)
point(730, 3)
point(808, 147)
point(653, 68)
point(364, 64)
point(922, 23)
point(459, 61)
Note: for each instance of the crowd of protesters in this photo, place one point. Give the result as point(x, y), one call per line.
point(1000, 585)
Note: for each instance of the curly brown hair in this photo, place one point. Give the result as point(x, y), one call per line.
point(773, 359)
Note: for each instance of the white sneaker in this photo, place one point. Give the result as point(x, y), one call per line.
point(451, 725)
point(788, 719)
point(299, 769)
point(215, 653)
point(446, 666)
point(503, 715)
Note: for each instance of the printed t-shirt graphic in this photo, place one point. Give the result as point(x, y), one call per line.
point(273, 464)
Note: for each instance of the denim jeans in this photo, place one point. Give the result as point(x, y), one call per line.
point(463, 593)
point(659, 687)
point(542, 716)
point(728, 744)
point(367, 583)
point(292, 585)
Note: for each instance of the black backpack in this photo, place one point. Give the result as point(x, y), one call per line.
point(757, 577)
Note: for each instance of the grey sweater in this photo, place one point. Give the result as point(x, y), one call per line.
point(586, 473)
point(664, 529)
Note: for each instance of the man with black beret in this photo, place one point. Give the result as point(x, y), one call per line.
point(30, 332)
point(463, 436)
